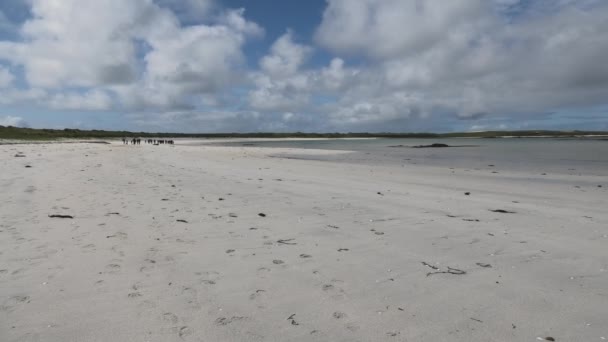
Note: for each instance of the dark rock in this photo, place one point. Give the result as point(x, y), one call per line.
point(432, 146)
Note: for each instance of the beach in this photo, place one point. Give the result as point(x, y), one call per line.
point(199, 242)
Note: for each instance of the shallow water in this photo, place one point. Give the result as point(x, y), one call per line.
point(542, 155)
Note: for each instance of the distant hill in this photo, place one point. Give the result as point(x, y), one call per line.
point(18, 133)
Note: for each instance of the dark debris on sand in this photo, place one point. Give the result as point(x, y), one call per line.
point(61, 216)
point(502, 211)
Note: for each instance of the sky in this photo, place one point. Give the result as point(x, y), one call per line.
point(201, 66)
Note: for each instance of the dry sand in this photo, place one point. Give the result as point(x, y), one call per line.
point(345, 252)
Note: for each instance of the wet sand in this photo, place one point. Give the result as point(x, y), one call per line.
point(209, 243)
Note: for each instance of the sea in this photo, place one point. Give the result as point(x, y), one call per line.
point(588, 156)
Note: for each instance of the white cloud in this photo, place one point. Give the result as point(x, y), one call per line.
point(91, 100)
point(31, 95)
point(466, 58)
point(285, 58)
point(281, 85)
point(14, 121)
point(6, 77)
point(96, 48)
point(391, 62)
point(390, 28)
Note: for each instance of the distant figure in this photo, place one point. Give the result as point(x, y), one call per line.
point(124, 141)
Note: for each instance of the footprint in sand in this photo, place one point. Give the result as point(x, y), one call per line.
point(14, 301)
point(170, 317)
point(339, 315)
point(256, 294)
point(89, 248)
point(328, 287)
point(262, 271)
point(18, 271)
point(352, 327)
point(117, 250)
point(118, 235)
point(209, 278)
point(336, 292)
point(184, 332)
point(113, 268)
point(223, 321)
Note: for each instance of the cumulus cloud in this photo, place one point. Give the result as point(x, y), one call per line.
point(471, 58)
point(136, 50)
point(395, 28)
point(281, 85)
point(385, 64)
point(14, 121)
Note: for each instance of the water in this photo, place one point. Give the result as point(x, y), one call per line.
point(543, 155)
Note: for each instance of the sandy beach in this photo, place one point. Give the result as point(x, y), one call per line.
point(212, 243)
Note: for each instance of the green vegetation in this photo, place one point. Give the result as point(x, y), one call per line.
point(18, 133)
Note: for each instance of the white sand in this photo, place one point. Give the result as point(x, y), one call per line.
point(140, 275)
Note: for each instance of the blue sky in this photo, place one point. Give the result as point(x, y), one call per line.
point(315, 65)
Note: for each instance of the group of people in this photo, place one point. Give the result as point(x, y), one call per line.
point(137, 141)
